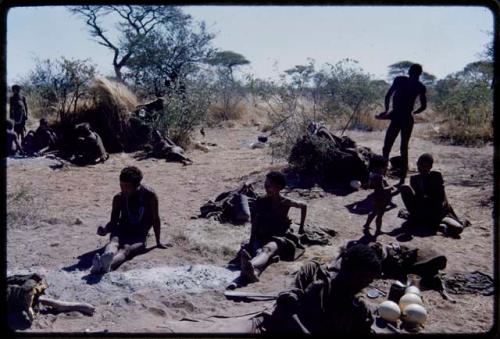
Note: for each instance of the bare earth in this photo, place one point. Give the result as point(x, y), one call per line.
point(155, 291)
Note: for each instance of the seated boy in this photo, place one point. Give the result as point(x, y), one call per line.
point(12, 144)
point(426, 202)
point(270, 225)
point(135, 210)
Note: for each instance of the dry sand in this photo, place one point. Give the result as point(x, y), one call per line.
point(54, 214)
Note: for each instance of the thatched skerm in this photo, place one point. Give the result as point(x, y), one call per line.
point(109, 110)
point(329, 158)
point(231, 206)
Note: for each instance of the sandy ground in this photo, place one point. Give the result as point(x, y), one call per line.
point(54, 214)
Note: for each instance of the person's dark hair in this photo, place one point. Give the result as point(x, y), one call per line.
point(43, 122)
point(426, 158)
point(415, 69)
point(361, 256)
point(378, 161)
point(16, 87)
point(277, 178)
point(131, 174)
point(9, 124)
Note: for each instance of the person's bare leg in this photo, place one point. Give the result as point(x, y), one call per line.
point(251, 269)
point(369, 220)
point(378, 222)
point(125, 253)
point(97, 261)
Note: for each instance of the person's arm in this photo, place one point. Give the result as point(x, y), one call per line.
point(423, 102)
point(115, 216)
point(156, 221)
point(388, 96)
point(25, 107)
point(303, 213)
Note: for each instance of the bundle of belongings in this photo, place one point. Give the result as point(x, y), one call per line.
point(25, 298)
point(231, 206)
point(331, 158)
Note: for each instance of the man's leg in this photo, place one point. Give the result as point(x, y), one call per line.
point(406, 129)
point(408, 197)
point(125, 253)
point(390, 136)
point(251, 269)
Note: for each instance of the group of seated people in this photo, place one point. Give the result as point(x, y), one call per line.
point(38, 142)
point(322, 292)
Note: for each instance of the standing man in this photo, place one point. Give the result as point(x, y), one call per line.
point(405, 91)
point(18, 111)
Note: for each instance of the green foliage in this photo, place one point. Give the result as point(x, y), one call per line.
point(168, 56)
point(60, 85)
point(229, 91)
point(183, 111)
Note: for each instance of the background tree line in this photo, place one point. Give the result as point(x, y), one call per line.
point(161, 51)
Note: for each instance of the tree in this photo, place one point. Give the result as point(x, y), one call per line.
point(135, 24)
point(401, 68)
point(229, 90)
point(61, 84)
point(164, 59)
point(228, 60)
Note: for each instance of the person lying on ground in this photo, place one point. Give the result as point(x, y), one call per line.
point(134, 212)
point(383, 192)
point(270, 226)
point(12, 146)
point(326, 301)
point(426, 202)
point(164, 148)
point(89, 147)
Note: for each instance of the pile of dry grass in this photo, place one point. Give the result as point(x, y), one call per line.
point(108, 108)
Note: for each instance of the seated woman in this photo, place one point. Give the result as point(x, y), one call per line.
point(426, 202)
point(269, 235)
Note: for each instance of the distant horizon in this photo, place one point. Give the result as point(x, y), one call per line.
point(275, 38)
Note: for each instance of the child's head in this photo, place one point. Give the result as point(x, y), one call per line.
point(275, 182)
point(424, 163)
point(43, 122)
point(379, 164)
point(130, 179)
point(9, 124)
point(16, 88)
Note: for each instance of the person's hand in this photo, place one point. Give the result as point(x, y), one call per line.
point(101, 231)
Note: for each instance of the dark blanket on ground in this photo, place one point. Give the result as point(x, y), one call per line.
point(470, 283)
point(231, 206)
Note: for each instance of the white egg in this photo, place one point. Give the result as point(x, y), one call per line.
point(409, 298)
point(414, 290)
point(356, 184)
point(389, 311)
point(415, 313)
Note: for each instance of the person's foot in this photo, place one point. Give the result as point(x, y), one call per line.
point(106, 260)
point(96, 264)
point(247, 269)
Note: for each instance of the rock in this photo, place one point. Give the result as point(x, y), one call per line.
point(78, 221)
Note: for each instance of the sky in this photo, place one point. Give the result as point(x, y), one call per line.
point(276, 38)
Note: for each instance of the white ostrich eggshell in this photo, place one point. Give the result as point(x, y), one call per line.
point(389, 310)
point(356, 184)
point(415, 313)
point(414, 290)
point(409, 298)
